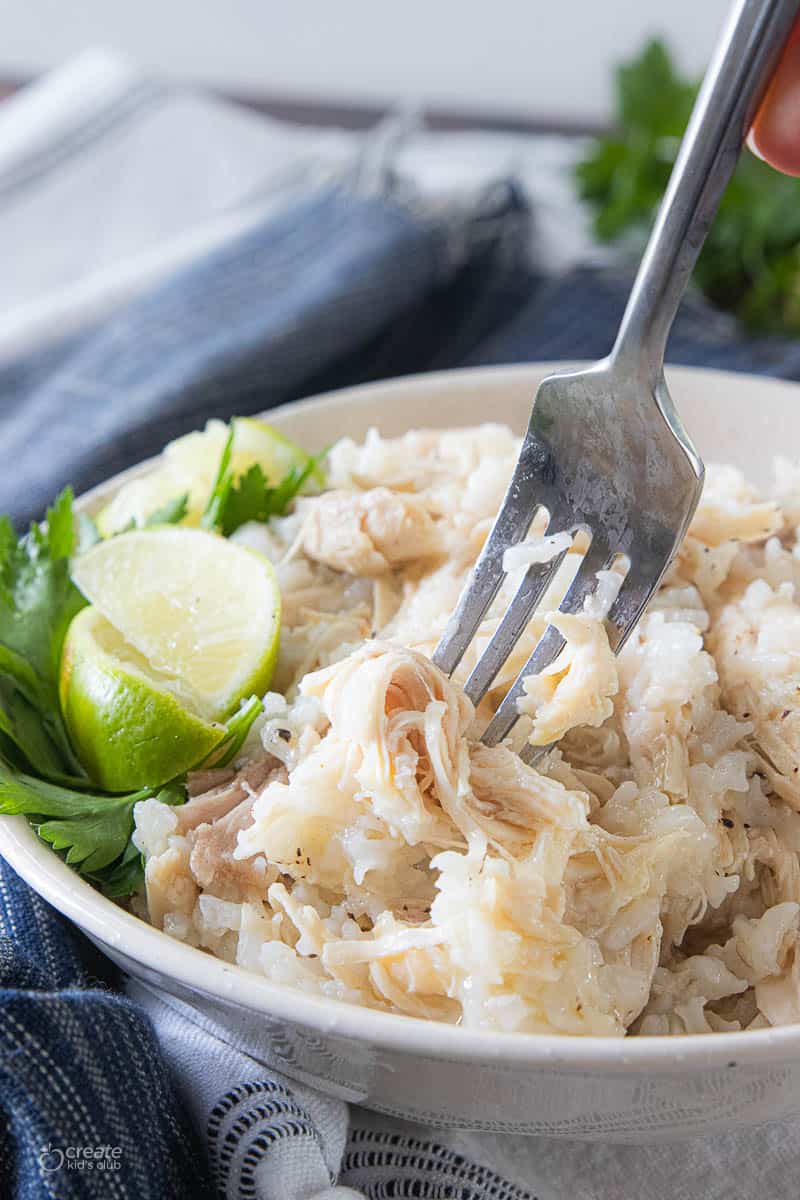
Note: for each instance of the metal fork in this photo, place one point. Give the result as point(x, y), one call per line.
point(605, 451)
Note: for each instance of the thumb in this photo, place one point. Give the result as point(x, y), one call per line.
point(775, 135)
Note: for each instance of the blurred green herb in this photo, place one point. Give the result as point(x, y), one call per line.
point(750, 264)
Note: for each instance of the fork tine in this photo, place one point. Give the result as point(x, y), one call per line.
point(531, 754)
point(640, 584)
point(510, 527)
point(549, 646)
point(536, 581)
point(551, 642)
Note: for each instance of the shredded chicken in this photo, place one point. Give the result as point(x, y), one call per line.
point(224, 790)
point(212, 862)
point(731, 509)
point(577, 688)
point(170, 886)
point(367, 533)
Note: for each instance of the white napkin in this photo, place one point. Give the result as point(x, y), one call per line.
point(110, 179)
point(299, 1139)
point(279, 1138)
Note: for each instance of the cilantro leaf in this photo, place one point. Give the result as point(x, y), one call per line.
point(24, 737)
point(60, 535)
point(750, 263)
point(220, 489)
point(8, 539)
point(174, 792)
point(237, 730)
point(651, 95)
point(122, 878)
point(247, 500)
point(93, 828)
point(252, 499)
point(94, 841)
point(37, 603)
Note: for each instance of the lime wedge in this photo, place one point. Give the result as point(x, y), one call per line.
point(130, 728)
point(201, 611)
point(189, 465)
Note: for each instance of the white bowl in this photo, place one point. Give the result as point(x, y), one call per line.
point(639, 1089)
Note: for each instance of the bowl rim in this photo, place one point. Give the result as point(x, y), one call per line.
point(129, 936)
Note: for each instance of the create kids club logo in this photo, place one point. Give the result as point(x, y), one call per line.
point(80, 1158)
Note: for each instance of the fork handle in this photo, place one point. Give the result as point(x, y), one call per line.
point(735, 82)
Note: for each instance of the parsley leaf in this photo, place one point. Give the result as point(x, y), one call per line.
point(750, 263)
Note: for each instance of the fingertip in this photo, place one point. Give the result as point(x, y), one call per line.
point(775, 135)
point(752, 145)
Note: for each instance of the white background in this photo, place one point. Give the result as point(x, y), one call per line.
point(536, 58)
